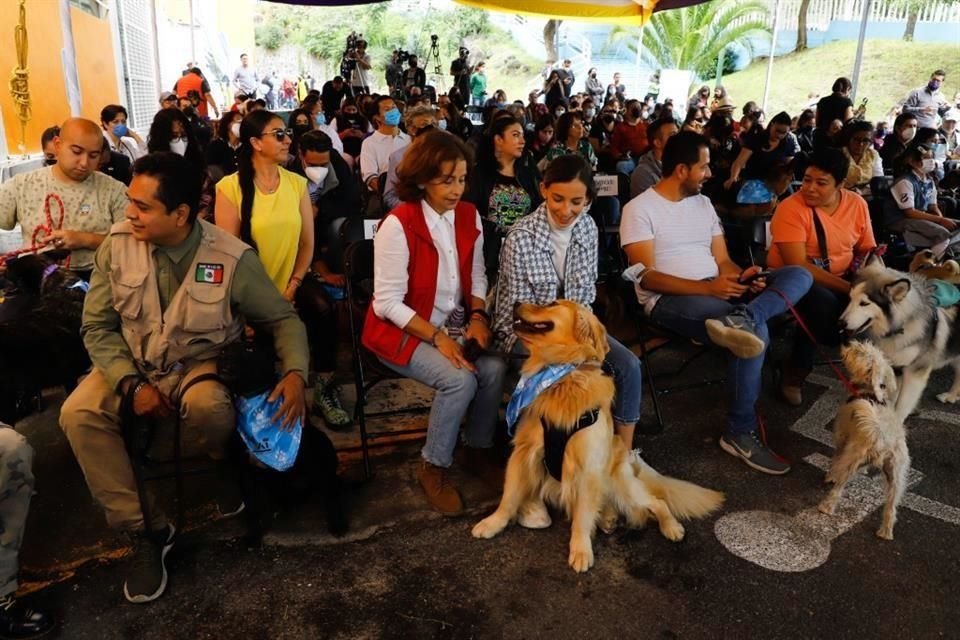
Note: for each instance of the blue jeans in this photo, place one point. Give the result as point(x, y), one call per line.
point(626, 378)
point(456, 389)
point(686, 315)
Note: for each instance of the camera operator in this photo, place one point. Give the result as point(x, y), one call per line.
point(361, 63)
point(414, 76)
point(460, 70)
point(394, 73)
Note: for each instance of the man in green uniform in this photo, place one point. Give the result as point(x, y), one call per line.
point(168, 292)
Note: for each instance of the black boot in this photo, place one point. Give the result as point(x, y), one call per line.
point(20, 621)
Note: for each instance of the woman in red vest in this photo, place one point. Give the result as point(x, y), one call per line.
point(428, 302)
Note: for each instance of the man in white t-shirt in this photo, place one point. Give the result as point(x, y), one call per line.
point(376, 149)
point(688, 282)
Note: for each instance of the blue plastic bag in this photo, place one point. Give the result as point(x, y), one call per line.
point(270, 444)
point(754, 192)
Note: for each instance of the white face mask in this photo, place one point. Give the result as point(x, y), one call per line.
point(929, 164)
point(316, 175)
point(908, 133)
point(178, 146)
point(442, 124)
point(235, 129)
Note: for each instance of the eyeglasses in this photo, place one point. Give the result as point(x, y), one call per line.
point(279, 134)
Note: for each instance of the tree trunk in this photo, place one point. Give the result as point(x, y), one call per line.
point(913, 15)
point(802, 26)
point(550, 40)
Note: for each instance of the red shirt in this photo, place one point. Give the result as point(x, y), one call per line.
point(629, 138)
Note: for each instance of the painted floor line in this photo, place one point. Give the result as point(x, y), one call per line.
point(931, 508)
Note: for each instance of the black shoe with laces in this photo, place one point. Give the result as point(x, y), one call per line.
point(147, 571)
point(19, 621)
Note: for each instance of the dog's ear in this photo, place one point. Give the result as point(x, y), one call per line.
point(873, 261)
point(898, 289)
point(590, 331)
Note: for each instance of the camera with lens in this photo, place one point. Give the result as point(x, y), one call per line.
point(348, 62)
point(402, 56)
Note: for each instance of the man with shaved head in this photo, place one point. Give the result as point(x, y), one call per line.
point(91, 201)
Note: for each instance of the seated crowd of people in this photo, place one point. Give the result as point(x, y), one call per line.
point(207, 233)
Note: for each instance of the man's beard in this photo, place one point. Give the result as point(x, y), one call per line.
point(690, 189)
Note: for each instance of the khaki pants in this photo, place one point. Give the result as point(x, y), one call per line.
point(90, 418)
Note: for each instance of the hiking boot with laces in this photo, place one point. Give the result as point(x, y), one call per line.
point(753, 450)
point(441, 495)
point(19, 621)
point(326, 402)
point(737, 333)
point(147, 571)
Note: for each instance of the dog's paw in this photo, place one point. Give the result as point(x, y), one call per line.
point(488, 528)
point(885, 532)
point(827, 507)
point(580, 560)
point(672, 531)
point(534, 515)
point(948, 398)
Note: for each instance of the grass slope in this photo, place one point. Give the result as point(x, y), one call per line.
point(891, 69)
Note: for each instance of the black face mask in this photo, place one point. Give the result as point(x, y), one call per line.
point(49, 162)
point(635, 112)
point(300, 129)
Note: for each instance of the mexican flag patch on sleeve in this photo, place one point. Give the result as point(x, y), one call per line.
point(209, 273)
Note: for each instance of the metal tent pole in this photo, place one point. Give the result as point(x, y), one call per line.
point(859, 59)
point(773, 48)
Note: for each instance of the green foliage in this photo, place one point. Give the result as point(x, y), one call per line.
point(692, 38)
point(269, 36)
point(730, 59)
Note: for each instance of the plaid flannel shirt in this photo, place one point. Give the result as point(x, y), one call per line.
point(527, 273)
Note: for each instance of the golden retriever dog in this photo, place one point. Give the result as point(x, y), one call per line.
point(599, 477)
point(868, 432)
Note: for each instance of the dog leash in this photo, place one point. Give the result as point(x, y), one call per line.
point(852, 390)
point(47, 227)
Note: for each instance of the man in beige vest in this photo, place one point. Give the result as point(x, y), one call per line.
point(167, 294)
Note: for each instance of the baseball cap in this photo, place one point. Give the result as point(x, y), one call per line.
point(952, 114)
point(166, 95)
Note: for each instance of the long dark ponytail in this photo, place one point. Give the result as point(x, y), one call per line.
point(251, 126)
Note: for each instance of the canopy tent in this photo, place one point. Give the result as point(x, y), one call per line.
point(626, 12)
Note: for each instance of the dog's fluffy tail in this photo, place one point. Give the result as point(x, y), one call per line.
point(685, 499)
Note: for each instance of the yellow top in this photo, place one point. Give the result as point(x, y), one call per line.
point(275, 224)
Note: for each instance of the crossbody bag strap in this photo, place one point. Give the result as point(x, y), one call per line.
point(821, 239)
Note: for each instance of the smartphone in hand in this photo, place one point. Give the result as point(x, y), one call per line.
point(755, 276)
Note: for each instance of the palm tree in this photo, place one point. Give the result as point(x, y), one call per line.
point(694, 37)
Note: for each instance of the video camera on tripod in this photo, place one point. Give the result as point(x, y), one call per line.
point(348, 61)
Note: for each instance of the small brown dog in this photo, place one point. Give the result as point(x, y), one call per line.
point(868, 432)
point(925, 264)
point(598, 476)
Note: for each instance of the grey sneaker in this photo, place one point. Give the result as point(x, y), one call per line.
point(750, 448)
point(737, 333)
point(147, 572)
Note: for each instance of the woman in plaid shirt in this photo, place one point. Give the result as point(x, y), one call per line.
point(551, 254)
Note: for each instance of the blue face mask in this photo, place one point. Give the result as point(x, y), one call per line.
point(321, 119)
point(392, 118)
point(120, 130)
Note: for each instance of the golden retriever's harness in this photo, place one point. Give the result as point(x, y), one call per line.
point(555, 439)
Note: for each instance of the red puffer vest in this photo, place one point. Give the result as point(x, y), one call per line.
point(384, 338)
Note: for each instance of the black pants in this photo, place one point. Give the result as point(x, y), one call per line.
point(820, 310)
point(316, 308)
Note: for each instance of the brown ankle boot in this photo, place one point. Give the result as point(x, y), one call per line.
point(441, 495)
point(791, 388)
point(481, 463)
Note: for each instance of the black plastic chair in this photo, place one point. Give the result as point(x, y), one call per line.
point(368, 371)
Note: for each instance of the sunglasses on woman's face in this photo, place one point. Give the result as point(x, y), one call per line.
point(279, 134)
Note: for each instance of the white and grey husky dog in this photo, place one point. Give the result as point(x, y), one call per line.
point(896, 312)
point(867, 431)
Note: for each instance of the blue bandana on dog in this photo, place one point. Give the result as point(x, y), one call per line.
point(528, 388)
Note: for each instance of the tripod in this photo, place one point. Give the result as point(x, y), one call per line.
point(437, 78)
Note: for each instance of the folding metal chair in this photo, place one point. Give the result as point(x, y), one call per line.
point(368, 371)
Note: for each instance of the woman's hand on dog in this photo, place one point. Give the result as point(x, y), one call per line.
point(727, 286)
point(479, 330)
point(452, 351)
